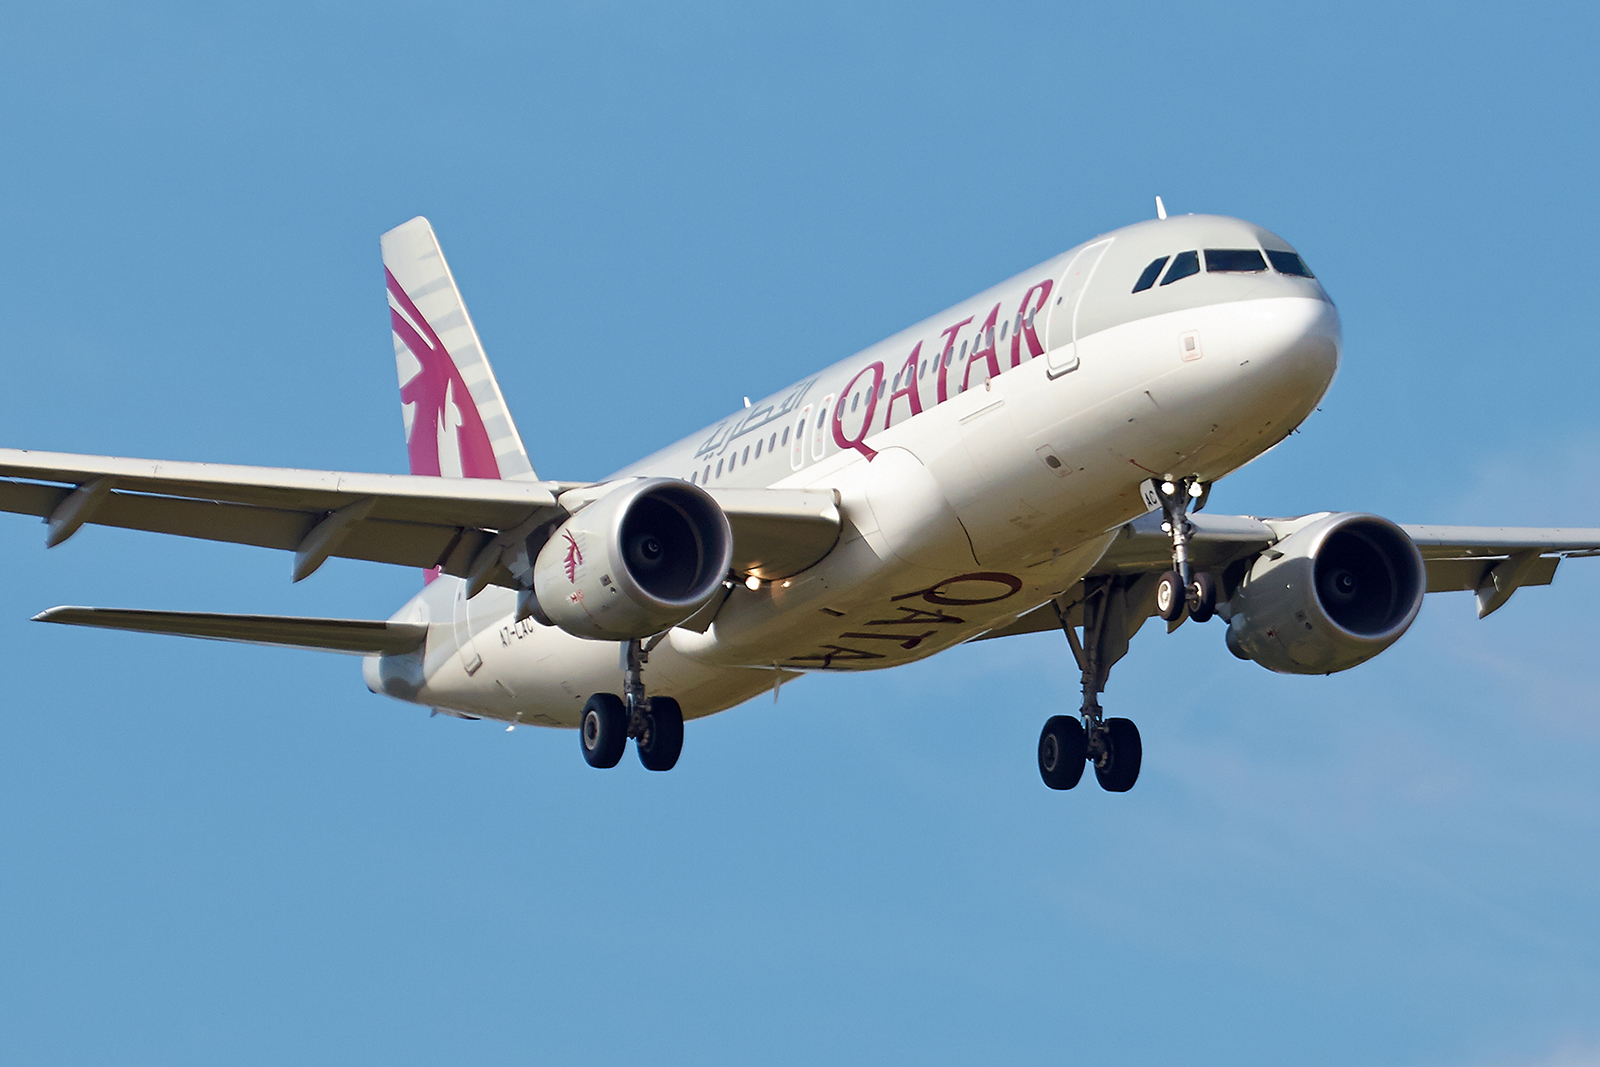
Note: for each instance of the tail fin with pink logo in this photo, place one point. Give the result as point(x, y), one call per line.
point(457, 422)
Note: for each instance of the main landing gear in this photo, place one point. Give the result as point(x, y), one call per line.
point(655, 723)
point(1112, 745)
point(1114, 607)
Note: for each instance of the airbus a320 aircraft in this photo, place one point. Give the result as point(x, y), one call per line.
point(1034, 458)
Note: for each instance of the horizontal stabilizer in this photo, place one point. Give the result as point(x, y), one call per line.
point(362, 637)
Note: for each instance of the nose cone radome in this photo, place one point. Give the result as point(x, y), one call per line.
point(1288, 353)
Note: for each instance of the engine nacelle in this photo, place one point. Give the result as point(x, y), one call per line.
point(1328, 597)
point(639, 560)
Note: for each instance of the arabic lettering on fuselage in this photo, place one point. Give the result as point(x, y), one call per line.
point(754, 418)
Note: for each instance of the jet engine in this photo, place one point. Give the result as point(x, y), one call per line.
point(1329, 596)
point(637, 561)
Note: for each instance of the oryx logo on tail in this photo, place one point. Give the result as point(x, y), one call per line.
point(445, 434)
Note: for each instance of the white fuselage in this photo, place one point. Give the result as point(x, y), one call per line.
point(969, 497)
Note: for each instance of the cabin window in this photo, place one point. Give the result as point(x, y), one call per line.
point(1151, 273)
point(1234, 261)
point(746, 457)
point(772, 445)
point(706, 475)
point(923, 373)
point(1183, 265)
point(733, 461)
point(1289, 263)
point(694, 477)
point(719, 468)
point(1003, 326)
point(881, 387)
point(822, 416)
point(854, 400)
point(786, 435)
point(963, 350)
point(758, 448)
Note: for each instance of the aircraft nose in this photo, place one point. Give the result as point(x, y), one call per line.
point(1289, 350)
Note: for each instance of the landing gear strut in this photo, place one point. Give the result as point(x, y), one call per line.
point(1180, 589)
point(1113, 608)
point(655, 723)
point(1112, 745)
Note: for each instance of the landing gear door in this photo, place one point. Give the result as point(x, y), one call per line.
point(1061, 329)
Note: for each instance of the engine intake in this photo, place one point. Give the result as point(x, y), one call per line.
point(639, 560)
point(1329, 596)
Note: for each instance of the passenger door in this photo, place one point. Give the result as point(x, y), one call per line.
point(1061, 330)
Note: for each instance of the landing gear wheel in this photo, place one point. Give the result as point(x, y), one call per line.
point(1202, 597)
point(1063, 747)
point(603, 730)
point(1118, 768)
point(1170, 597)
point(662, 739)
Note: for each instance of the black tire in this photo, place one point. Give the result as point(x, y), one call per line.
point(1202, 597)
point(1124, 752)
point(1063, 747)
point(1170, 597)
point(663, 737)
point(603, 730)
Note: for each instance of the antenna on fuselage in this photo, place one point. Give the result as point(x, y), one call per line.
point(1161, 209)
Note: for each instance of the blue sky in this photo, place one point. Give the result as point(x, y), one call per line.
point(214, 853)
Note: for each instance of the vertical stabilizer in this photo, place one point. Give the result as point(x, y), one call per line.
point(457, 423)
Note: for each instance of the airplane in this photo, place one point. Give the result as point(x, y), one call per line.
point(1036, 458)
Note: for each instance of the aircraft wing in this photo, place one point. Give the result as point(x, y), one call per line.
point(410, 520)
point(459, 525)
point(1492, 561)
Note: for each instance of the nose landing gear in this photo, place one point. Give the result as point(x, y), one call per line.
point(1180, 589)
point(655, 723)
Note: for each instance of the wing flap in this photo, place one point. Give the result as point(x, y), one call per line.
point(362, 637)
point(1456, 575)
point(778, 533)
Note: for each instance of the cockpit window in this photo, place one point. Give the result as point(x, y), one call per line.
point(1234, 261)
point(1183, 265)
point(1148, 278)
point(1289, 263)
